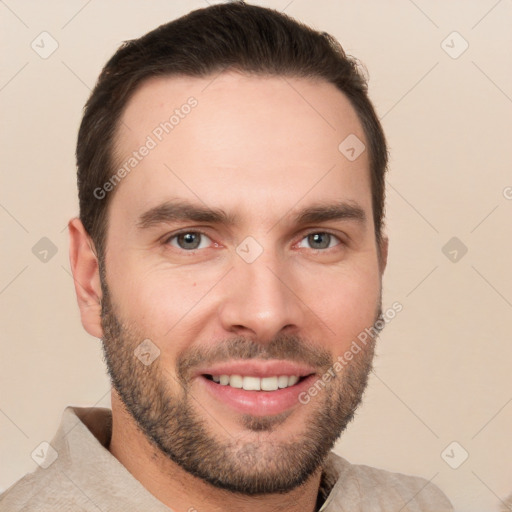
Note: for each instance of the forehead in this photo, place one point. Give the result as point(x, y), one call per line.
point(253, 141)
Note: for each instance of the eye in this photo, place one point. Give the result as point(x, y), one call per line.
point(189, 240)
point(320, 240)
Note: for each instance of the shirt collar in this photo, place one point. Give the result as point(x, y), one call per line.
point(78, 423)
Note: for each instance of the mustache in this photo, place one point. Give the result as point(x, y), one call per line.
point(284, 346)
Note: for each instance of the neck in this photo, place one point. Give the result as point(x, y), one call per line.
point(183, 492)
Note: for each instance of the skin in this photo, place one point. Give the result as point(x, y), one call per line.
point(262, 148)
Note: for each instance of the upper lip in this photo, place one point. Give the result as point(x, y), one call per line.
point(256, 368)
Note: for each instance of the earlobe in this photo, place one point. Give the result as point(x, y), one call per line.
point(86, 276)
point(383, 253)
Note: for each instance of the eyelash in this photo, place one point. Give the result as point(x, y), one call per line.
point(168, 239)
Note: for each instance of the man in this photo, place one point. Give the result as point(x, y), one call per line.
point(229, 251)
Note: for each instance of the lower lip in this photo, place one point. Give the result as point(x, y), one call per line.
point(258, 403)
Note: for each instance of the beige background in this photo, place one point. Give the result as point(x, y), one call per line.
point(443, 371)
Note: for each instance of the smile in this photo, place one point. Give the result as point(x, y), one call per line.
point(257, 396)
point(250, 383)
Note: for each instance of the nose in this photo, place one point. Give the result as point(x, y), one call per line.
point(260, 300)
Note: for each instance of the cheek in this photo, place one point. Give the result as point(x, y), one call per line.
point(346, 301)
point(162, 302)
point(174, 306)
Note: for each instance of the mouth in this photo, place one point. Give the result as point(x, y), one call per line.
point(258, 388)
point(253, 383)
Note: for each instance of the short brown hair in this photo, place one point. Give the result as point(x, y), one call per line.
point(233, 36)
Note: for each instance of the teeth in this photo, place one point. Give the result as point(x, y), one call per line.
point(236, 381)
point(293, 380)
point(250, 383)
point(282, 382)
point(269, 383)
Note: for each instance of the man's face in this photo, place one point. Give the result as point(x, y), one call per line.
point(274, 286)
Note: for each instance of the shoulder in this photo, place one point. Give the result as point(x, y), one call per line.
point(44, 490)
point(376, 489)
point(60, 484)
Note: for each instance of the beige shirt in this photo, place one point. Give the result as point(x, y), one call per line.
point(85, 477)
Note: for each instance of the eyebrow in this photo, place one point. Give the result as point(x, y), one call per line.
point(179, 211)
point(331, 211)
point(173, 211)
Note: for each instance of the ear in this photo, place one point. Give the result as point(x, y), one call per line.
point(383, 253)
point(86, 275)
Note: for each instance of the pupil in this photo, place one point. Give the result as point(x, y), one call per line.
point(319, 240)
point(189, 240)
